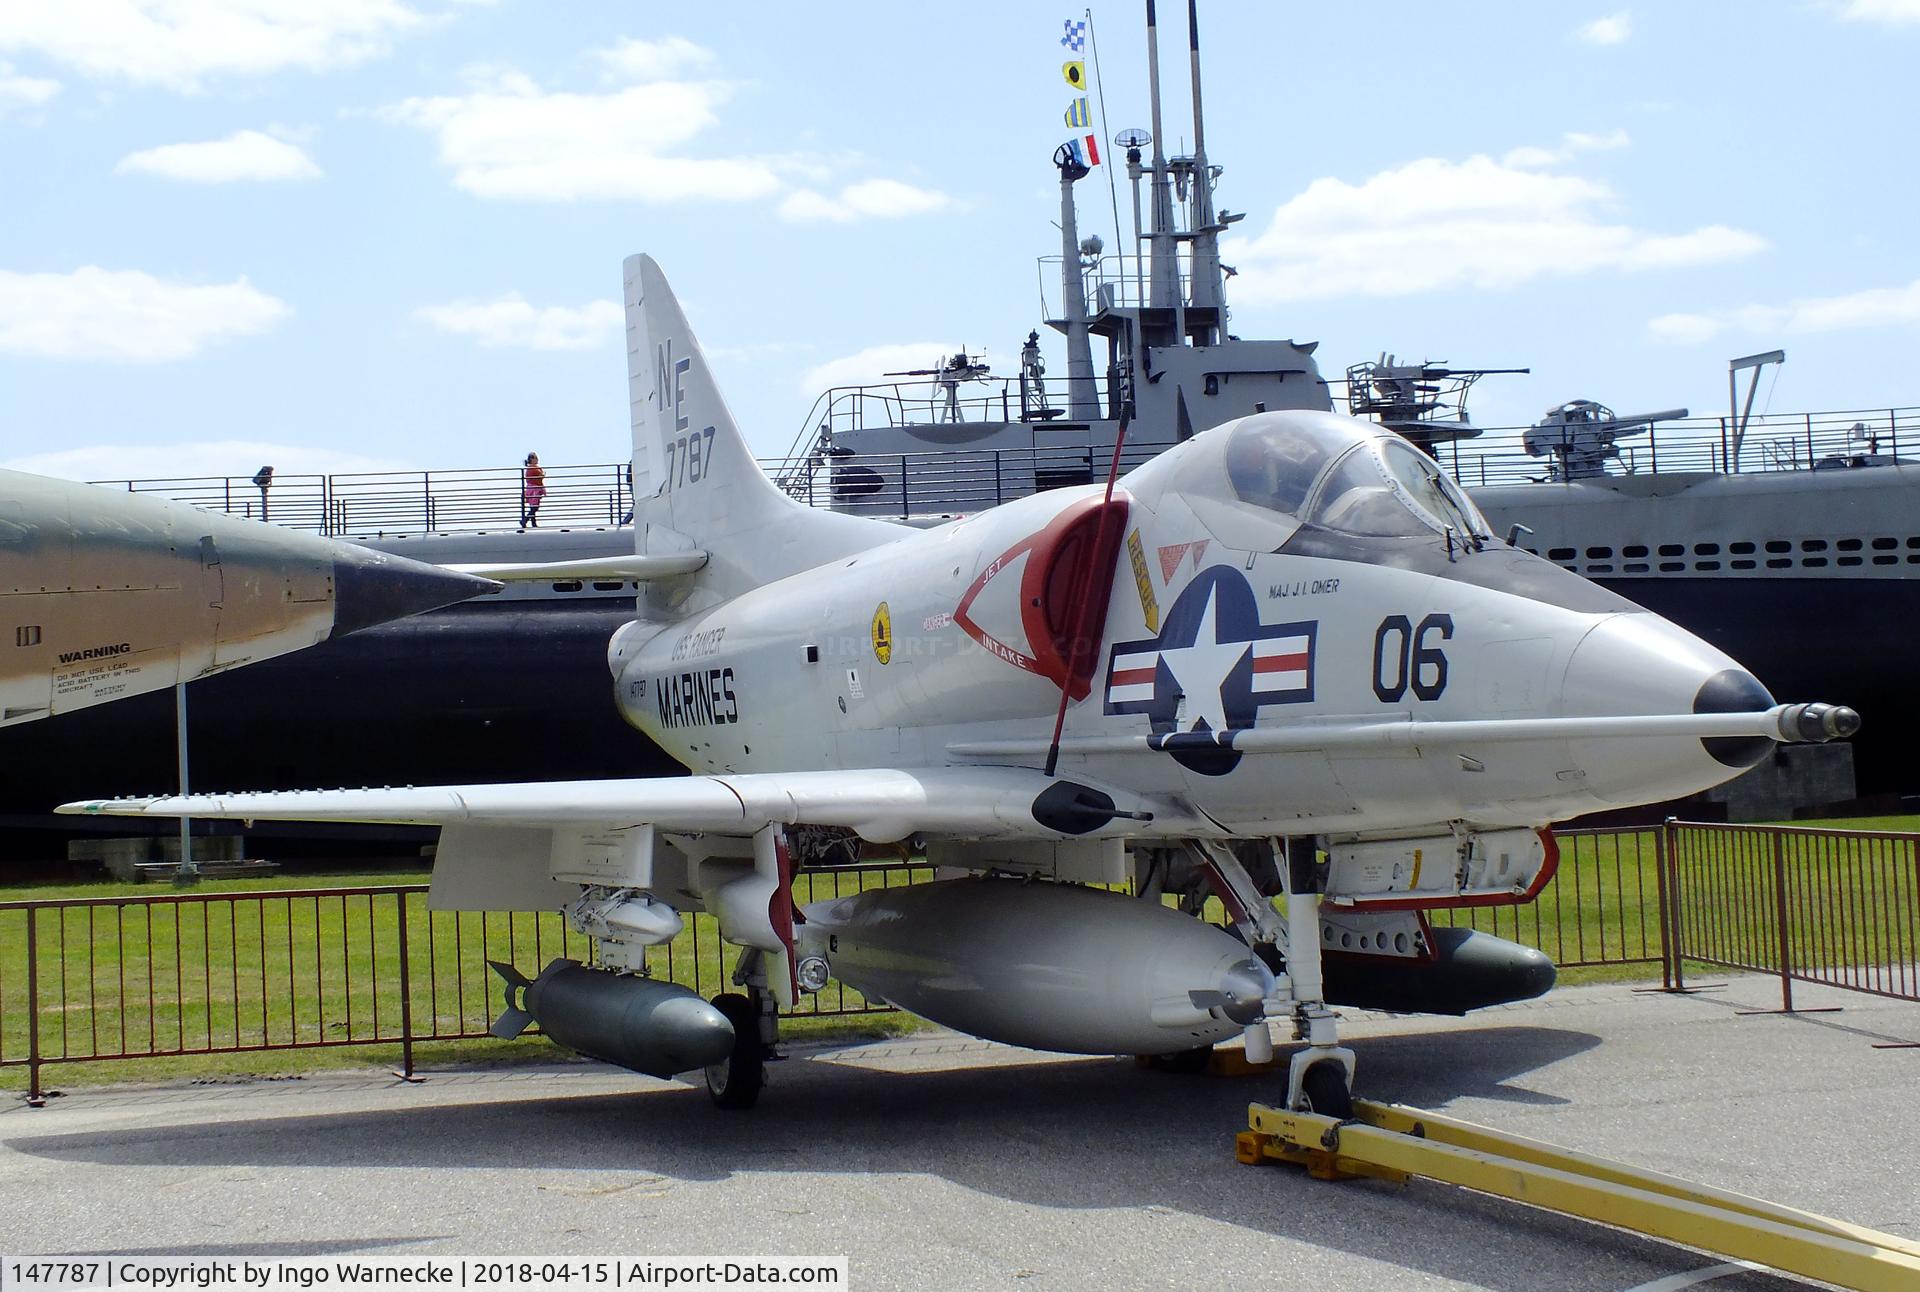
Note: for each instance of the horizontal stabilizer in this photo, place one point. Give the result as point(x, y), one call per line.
point(638, 566)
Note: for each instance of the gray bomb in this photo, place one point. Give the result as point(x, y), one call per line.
point(658, 1028)
point(1048, 966)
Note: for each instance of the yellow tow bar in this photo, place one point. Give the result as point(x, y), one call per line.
point(1391, 1142)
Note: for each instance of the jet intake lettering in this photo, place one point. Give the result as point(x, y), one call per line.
point(701, 699)
point(94, 652)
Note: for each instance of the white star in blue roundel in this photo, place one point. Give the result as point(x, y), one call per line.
point(1211, 668)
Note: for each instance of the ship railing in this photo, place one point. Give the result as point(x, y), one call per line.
point(374, 504)
point(292, 501)
point(896, 486)
point(1776, 442)
point(1112, 282)
point(932, 401)
point(486, 499)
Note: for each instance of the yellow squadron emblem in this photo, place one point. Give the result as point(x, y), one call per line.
point(882, 634)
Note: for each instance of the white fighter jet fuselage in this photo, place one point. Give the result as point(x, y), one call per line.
point(1283, 665)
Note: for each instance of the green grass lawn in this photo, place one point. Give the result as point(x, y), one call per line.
point(146, 969)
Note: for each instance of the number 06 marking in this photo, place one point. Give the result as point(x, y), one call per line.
point(1412, 661)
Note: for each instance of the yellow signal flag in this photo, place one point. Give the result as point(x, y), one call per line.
point(1075, 72)
point(1077, 113)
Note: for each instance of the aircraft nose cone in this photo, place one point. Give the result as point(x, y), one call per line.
point(1734, 690)
point(372, 587)
point(1641, 664)
point(1243, 990)
point(693, 1032)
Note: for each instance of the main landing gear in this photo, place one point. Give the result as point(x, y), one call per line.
point(1319, 1076)
point(736, 1081)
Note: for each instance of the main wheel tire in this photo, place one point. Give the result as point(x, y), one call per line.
point(1325, 1086)
point(735, 1081)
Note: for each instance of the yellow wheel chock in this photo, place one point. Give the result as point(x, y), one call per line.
point(1393, 1142)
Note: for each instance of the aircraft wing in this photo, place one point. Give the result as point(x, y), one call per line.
point(881, 804)
point(629, 565)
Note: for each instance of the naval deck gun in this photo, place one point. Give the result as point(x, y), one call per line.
point(1425, 402)
point(1578, 438)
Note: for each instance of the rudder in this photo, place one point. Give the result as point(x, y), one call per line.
point(693, 473)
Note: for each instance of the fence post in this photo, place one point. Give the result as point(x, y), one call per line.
point(36, 1097)
point(1666, 907)
point(406, 994)
point(1669, 847)
point(1780, 917)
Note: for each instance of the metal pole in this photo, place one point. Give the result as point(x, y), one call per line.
point(36, 1097)
point(406, 993)
point(1666, 910)
point(1669, 831)
point(1780, 917)
point(188, 873)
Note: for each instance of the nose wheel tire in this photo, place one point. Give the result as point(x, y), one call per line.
point(1325, 1086)
point(735, 1081)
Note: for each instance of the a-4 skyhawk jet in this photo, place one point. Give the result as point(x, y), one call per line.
point(1299, 675)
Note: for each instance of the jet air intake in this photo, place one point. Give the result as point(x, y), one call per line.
point(658, 1028)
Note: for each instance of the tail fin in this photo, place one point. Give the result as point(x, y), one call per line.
point(693, 474)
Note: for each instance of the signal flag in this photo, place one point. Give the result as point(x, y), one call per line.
point(1076, 74)
point(1077, 113)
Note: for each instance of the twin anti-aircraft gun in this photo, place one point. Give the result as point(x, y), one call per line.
point(1285, 665)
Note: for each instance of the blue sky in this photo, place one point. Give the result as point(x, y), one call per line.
point(357, 233)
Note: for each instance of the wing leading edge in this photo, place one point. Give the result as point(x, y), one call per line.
point(880, 804)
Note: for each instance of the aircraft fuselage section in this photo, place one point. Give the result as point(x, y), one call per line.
point(888, 657)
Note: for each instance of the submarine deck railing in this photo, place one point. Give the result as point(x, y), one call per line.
point(488, 499)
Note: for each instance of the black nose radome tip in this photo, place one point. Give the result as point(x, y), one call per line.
point(372, 587)
point(1734, 690)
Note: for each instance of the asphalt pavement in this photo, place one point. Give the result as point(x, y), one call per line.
point(935, 1161)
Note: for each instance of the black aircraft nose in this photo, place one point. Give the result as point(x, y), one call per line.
point(372, 587)
point(1734, 690)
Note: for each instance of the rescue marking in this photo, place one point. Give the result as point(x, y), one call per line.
point(1143, 582)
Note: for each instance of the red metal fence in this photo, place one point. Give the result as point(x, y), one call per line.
point(150, 977)
point(94, 979)
point(1839, 908)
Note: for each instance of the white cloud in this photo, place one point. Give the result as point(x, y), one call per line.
point(245, 154)
point(1614, 29)
point(24, 91)
point(1529, 156)
point(510, 139)
point(873, 363)
point(197, 459)
point(1874, 307)
point(511, 320)
point(95, 313)
point(884, 199)
point(175, 43)
point(653, 60)
point(1436, 224)
point(1888, 11)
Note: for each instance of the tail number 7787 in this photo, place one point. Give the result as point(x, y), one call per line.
point(689, 458)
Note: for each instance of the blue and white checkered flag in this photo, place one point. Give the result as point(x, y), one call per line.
point(1076, 37)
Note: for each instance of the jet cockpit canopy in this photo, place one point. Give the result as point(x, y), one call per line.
point(1344, 474)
